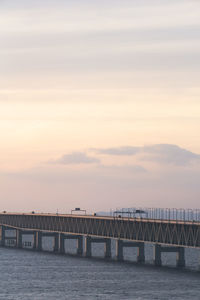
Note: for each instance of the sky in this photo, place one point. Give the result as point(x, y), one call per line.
point(99, 104)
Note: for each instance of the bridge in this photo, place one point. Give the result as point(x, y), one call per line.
point(165, 235)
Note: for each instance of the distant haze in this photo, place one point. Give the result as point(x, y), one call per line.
point(99, 104)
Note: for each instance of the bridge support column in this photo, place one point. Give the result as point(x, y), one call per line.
point(56, 243)
point(34, 240)
point(80, 245)
point(157, 255)
point(61, 243)
point(19, 238)
point(140, 253)
point(119, 250)
point(39, 241)
point(120, 244)
point(107, 248)
point(180, 257)
point(2, 236)
point(88, 246)
point(180, 254)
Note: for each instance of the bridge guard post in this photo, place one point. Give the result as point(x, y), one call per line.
point(18, 238)
point(157, 255)
point(180, 257)
point(2, 235)
point(56, 243)
point(61, 243)
point(119, 250)
point(88, 246)
point(80, 245)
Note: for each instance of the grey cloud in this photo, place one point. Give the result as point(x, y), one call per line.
point(161, 153)
point(126, 150)
point(172, 154)
point(76, 158)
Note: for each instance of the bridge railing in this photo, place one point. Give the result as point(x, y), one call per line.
point(175, 214)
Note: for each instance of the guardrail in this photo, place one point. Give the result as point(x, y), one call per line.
point(176, 214)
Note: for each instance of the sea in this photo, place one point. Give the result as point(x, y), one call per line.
point(26, 274)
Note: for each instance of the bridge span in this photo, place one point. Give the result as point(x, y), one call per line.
point(166, 235)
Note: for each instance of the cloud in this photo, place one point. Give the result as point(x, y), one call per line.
point(170, 154)
point(76, 158)
point(126, 150)
point(160, 153)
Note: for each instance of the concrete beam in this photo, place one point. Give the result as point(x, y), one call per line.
point(30, 232)
point(72, 236)
point(50, 234)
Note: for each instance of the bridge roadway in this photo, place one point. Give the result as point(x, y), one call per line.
point(166, 235)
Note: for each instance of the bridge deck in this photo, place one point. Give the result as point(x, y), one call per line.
point(166, 232)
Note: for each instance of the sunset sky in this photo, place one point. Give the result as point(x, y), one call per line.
point(99, 104)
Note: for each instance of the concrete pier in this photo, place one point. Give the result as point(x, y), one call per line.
point(157, 255)
point(180, 254)
point(34, 240)
point(61, 243)
point(88, 246)
point(180, 257)
point(120, 244)
point(3, 236)
point(19, 238)
point(80, 245)
point(38, 237)
point(79, 238)
point(56, 243)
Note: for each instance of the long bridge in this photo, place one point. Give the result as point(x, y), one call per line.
point(165, 235)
